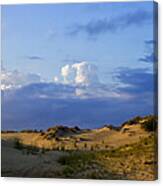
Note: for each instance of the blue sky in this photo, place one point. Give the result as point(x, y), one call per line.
point(42, 30)
point(112, 42)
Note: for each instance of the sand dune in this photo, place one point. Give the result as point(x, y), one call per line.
point(126, 152)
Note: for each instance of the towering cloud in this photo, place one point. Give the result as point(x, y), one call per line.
point(66, 73)
point(29, 102)
point(85, 73)
point(78, 80)
point(81, 73)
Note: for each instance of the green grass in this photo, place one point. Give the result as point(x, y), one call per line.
point(81, 165)
point(135, 161)
point(75, 158)
point(28, 149)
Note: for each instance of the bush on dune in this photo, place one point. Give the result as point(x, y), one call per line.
point(150, 124)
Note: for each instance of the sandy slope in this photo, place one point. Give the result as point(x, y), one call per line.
point(24, 162)
point(101, 137)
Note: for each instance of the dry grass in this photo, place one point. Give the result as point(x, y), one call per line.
point(105, 153)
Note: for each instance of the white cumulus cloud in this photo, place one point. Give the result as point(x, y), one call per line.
point(16, 79)
point(81, 73)
point(86, 73)
point(66, 73)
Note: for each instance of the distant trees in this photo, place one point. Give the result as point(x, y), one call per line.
point(30, 131)
point(9, 131)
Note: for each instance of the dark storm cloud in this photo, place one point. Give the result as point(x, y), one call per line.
point(45, 104)
point(39, 58)
point(95, 27)
point(46, 90)
point(149, 42)
point(151, 55)
point(150, 58)
point(137, 80)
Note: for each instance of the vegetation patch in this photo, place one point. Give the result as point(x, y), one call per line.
point(28, 149)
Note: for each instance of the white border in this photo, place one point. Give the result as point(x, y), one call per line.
point(58, 1)
point(65, 182)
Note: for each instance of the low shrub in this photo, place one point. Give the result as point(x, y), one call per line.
point(150, 124)
point(18, 145)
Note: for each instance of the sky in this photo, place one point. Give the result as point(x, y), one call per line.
point(85, 64)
